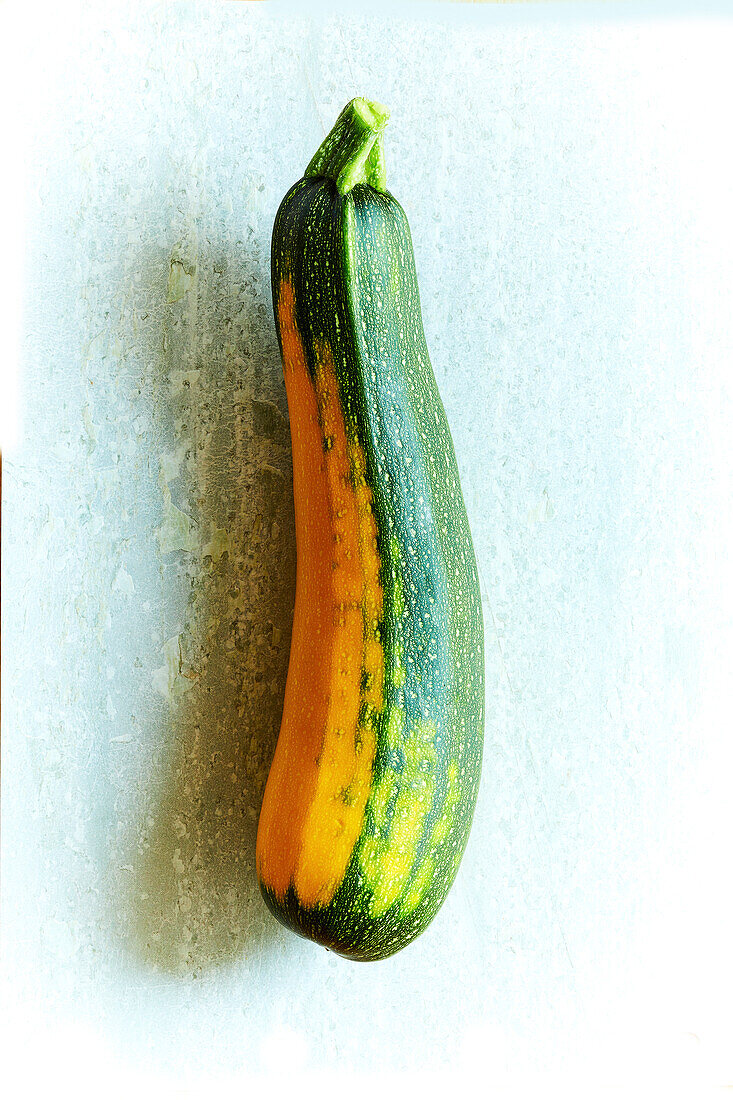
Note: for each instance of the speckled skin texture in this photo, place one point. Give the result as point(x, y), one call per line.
point(569, 197)
point(349, 260)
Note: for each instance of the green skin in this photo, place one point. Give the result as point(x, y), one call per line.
point(345, 244)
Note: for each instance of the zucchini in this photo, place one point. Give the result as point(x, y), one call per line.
point(372, 788)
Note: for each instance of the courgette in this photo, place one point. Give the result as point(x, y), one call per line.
point(372, 788)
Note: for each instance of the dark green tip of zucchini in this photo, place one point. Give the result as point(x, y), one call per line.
point(353, 152)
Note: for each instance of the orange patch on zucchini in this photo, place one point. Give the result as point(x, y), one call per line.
point(294, 771)
point(336, 813)
point(319, 783)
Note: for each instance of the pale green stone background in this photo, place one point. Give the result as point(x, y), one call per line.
point(567, 180)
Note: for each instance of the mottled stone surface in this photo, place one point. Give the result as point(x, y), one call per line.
point(568, 187)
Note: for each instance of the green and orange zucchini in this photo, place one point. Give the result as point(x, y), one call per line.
point(371, 792)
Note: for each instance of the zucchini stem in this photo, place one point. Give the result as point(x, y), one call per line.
point(353, 152)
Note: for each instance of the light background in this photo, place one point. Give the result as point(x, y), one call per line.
point(567, 178)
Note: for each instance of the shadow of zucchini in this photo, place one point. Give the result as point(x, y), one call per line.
point(226, 548)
